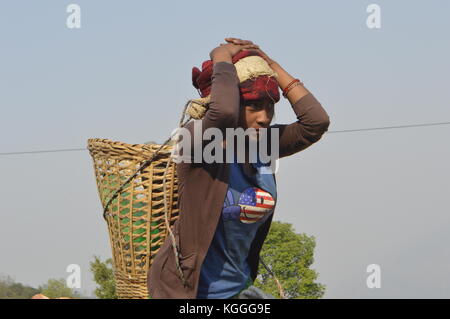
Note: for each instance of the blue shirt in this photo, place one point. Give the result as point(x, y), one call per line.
point(248, 203)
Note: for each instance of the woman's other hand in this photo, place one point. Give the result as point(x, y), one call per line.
point(225, 51)
point(248, 42)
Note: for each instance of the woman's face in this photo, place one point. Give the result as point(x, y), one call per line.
point(256, 114)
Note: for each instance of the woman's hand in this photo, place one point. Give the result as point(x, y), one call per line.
point(225, 51)
point(248, 42)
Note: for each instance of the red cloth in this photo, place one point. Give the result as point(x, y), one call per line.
point(263, 87)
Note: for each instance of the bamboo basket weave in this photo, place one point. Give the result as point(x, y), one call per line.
point(136, 217)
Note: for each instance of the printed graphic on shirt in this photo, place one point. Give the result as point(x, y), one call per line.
point(254, 203)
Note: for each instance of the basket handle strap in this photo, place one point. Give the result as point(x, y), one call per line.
point(166, 219)
point(280, 288)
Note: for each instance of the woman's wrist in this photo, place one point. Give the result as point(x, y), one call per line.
point(272, 63)
point(284, 79)
point(221, 57)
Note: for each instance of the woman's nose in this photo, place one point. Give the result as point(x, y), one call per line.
point(263, 119)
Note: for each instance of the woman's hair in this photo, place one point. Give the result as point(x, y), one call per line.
point(245, 103)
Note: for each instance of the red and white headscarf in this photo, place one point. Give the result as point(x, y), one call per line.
point(257, 81)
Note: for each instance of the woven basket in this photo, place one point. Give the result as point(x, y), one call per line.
point(135, 218)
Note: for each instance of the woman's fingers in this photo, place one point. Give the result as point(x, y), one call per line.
point(234, 48)
point(238, 41)
point(232, 40)
point(248, 46)
point(251, 45)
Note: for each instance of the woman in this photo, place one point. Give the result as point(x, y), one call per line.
point(226, 208)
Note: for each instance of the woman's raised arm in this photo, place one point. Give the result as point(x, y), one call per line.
point(223, 111)
point(312, 119)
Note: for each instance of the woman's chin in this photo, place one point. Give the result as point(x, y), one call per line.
point(254, 136)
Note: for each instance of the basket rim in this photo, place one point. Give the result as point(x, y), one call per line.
point(105, 145)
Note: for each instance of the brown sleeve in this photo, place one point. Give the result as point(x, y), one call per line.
point(224, 104)
point(312, 122)
point(223, 110)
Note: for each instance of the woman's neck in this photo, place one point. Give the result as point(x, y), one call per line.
point(247, 159)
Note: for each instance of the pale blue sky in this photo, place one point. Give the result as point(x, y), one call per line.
point(374, 197)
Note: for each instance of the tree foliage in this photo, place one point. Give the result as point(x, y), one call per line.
point(55, 288)
point(9, 289)
point(104, 277)
point(289, 256)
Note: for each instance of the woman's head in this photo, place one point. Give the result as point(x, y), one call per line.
point(258, 88)
point(256, 114)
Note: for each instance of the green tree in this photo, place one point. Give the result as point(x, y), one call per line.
point(9, 289)
point(104, 277)
point(55, 288)
point(289, 256)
